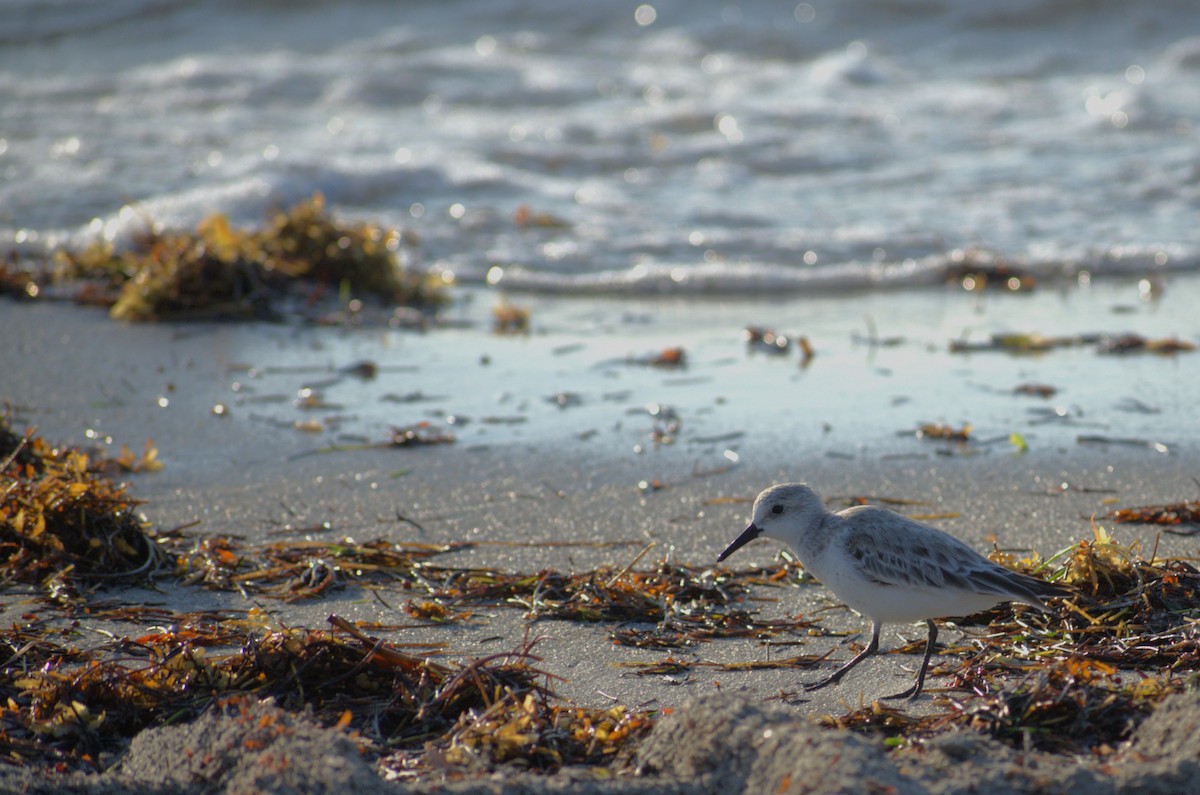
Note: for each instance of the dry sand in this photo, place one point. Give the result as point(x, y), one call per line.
point(525, 470)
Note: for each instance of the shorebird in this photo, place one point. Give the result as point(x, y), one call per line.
point(887, 567)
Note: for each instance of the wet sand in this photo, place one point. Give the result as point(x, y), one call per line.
point(554, 439)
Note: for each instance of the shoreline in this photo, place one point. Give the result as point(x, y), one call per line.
point(567, 474)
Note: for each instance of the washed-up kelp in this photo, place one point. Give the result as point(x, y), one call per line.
point(1105, 344)
point(509, 318)
point(668, 606)
point(938, 431)
point(1129, 612)
point(1066, 706)
point(975, 270)
point(1121, 344)
point(304, 569)
point(1171, 515)
point(599, 595)
point(18, 283)
point(219, 271)
point(62, 523)
point(685, 604)
point(758, 338)
point(492, 710)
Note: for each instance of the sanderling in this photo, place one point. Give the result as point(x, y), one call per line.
point(886, 566)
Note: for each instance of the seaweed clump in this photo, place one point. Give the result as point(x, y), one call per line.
point(73, 706)
point(1175, 515)
point(668, 606)
point(62, 522)
point(17, 282)
point(219, 271)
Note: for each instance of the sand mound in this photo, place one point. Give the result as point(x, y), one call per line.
point(715, 743)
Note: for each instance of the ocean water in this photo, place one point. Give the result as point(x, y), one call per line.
point(683, 148)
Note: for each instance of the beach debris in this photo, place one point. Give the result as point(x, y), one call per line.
point(645, 596)
point(1065, 706)
point(483, 712)
point(680, 602)
point(1171, 514)
point(63, 524)
point(17, 282)
point(877, 718)
point(218, 271)
point(667, 422)
point(806, 351)
point(509, 318)
point(1136, 343)
point(420, 434)
point(645, 551)
point(942, 432)
point(1022, 343)
point(1105, 625)
point(565, 400)
point(310, 399)
point(1035, 390)
point(434, 612)
point(667, 357)
point(760, 338)
point(1012, 343)
point(365, 370)
point(416, 396)
point(529, 731)
point(286, 569)
point(976, 270)
point(1106, 344)
point(525, 218)
point(128, 461)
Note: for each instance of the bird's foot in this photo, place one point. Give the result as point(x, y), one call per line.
point(910, 694)
point(826, 682)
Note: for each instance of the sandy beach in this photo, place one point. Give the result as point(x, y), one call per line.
point(566, 437)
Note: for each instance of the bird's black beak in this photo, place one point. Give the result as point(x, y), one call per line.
point(748, 535)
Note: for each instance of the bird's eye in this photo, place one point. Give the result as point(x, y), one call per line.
point(777, 509)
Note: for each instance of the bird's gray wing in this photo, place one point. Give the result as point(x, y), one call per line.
point(905, 559)
point(894, 550)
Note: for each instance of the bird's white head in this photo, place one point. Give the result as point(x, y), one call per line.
point(787, 513)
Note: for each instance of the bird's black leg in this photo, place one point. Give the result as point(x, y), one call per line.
point(836, 676)
point(915, 690)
